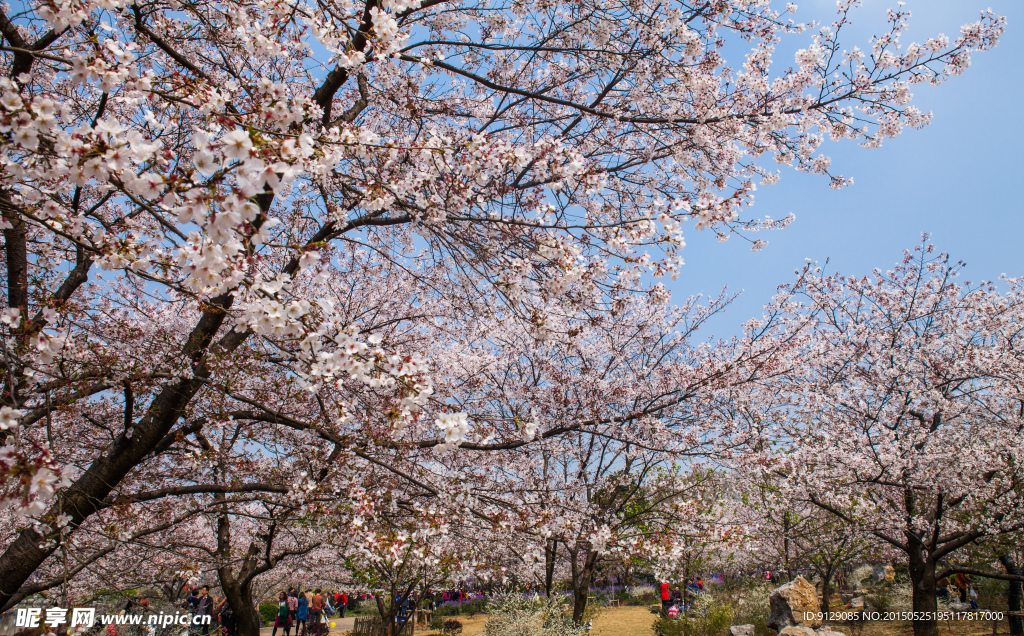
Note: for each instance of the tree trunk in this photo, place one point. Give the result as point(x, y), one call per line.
point(785, 546)
point(582, 588)
point(1013, 595)
point(240, 598)
point(550, 552)
point(922, 580)
point(826, 593)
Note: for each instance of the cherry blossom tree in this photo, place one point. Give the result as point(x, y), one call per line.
point(906, 420)
point(596, 427)
point(200, 201)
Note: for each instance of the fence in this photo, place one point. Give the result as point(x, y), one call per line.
point(374, 626)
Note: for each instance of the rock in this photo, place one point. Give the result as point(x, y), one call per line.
point(827, 631)
point(890, 574)
point(878, 574)
point(960, 607)
point(795, 603)
point(741, 630)
point(797, 630)
point(857, 602)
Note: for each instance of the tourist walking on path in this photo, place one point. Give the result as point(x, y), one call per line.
point(283, 619)
point(301, 614)
point(316, 607)
point(293, 603)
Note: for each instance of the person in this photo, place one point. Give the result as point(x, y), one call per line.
point(316, 607)
point(342, 604)
point(405, 611)
point(961, 584)
point(301, 614)
point(942, 588)
point(283, 618)
point(293, 603)
point(204, 609)
point(677, 597)
point(227, 618)
point(666, 597)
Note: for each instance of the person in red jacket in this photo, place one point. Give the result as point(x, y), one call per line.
point(665, 598)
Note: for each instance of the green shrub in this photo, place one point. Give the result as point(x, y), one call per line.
point(437, 621)
point(752, 608)
point(888, 597)
point(522, 615)
point(642, 595)
point(469, 607)
point(991, 593)
point(268, 611)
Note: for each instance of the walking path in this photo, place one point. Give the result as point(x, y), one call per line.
point(341, 625)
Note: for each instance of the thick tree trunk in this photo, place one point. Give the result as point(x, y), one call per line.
point(922, 580)
point(582, 588)
point(1014, 595)
point(240, 598)
point(26, 553)
point(86, 495)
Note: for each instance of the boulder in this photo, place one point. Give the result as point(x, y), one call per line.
point(878, 574)
point(797, 630)
point(827, 631)
point(741, 630)
point(795, 603)
point(890, 574)
point(960, 607)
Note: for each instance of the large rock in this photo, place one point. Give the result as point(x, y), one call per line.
point(741, 630)
point(960, 607)
point(890, 574)
point(797, 630)
point(827, 631)
point(795, 603)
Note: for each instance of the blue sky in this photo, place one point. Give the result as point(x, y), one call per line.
point(957, 178)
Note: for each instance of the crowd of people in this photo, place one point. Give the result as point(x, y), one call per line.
point(676, 600)
point(200, 603)
point(308, 611)
point(956, 587)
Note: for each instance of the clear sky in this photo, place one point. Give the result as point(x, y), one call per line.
point(958, 178)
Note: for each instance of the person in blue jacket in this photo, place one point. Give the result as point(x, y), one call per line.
point(301, 614)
